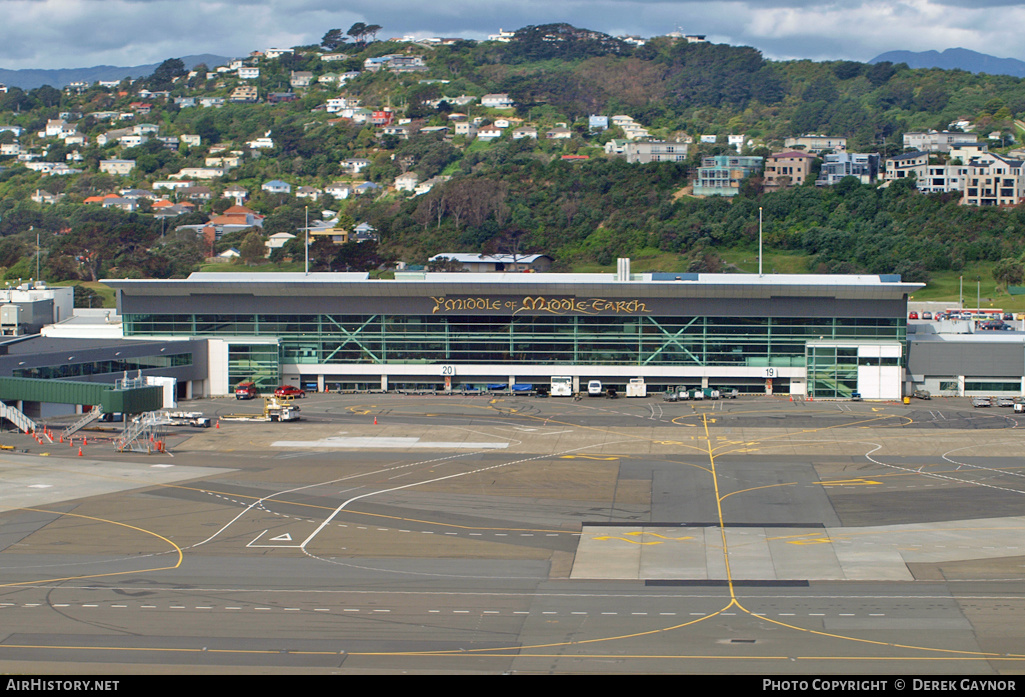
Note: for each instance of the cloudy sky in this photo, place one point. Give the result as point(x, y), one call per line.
point(83, 33)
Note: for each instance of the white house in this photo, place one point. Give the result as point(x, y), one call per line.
point(276, 186)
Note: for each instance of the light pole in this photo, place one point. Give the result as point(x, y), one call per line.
point(759, 241)
point(307, 245)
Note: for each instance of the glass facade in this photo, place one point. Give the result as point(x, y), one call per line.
point(256, 363)
point(833, 370)
point(76, 370)
point(518, 340)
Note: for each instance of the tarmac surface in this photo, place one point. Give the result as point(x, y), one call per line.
point(489, 534)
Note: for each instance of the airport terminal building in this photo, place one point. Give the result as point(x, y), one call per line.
point(818, 335)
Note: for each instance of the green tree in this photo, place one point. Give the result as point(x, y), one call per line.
point(253, 248)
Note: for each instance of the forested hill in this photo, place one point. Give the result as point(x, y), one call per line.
point(509, 194)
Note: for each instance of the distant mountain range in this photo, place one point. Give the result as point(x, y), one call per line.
point(30, 79)
point(956, 59)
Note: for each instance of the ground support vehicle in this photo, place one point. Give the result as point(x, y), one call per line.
point(274, 409)
point(594, 388)
point(636, 388)
point(245, 390)
point(562, 386)
point(189, 418)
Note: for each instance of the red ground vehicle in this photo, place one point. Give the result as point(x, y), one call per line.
point(245, 390)
point(289, 391)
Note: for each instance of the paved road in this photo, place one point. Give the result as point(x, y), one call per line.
point(479, 534)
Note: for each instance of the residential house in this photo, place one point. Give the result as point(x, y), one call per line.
point(382, 117)
point(994, 180)
point(559, 133)
point(401, 131)
point(655, 151)
point(41, 196)
point(244, 95)
point(279, 97)
point(193, 141)
point(597, 123)
point(211, 102)
point(308, 192)
point(425, 186)
point(406, 182)
point(196, 193)
point(489, 133)
point(466, 128)
point(721, 175)
point(339, 190)
point(276, 52)
point(276, 186)
point(300, 78)
point(137, 194)
point(119, 167)
point(497, 101)
point(736, 141)
point(355, 165)
point(199, 173)
point(132, 140)
point(337, 104)
point(169, 142)
point(906, 165)
point(943, 178)
point(246, 72)
point(171, 185)
point(395, 63)
point(10, 149)
point(126, 204)
point(616, 147)
point(524, 132)
point(366, 188)
point(937, 141)
point(236, 192)
point(790, 168)
point(278, 240)
point(836, 166)
point(817, 143)
point(260, 143)
point(225, 162)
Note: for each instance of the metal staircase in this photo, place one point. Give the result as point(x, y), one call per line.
point(142, 436)
point(87, 418)
point(14, 415)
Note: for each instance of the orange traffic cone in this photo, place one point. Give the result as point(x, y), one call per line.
point(375, 420)
point(218, 424)
point(80, 451)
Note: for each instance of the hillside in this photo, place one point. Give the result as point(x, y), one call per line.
point(61, 78)
point(566, 195)
point(955, 59)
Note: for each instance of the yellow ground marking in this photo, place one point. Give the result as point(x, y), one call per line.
point(850, 482)
point(113, 573)
point(639, 533)
point(586, 457)
point(812, 541)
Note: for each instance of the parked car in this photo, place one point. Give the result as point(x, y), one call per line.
point(594, 388)
point(981, 402)
point(1005, 401)
point(912, 315)
point(245, 390)
point(289, 391)
point(926, 315)
point(922, 394)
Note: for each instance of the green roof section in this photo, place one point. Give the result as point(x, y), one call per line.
point(127, 401)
